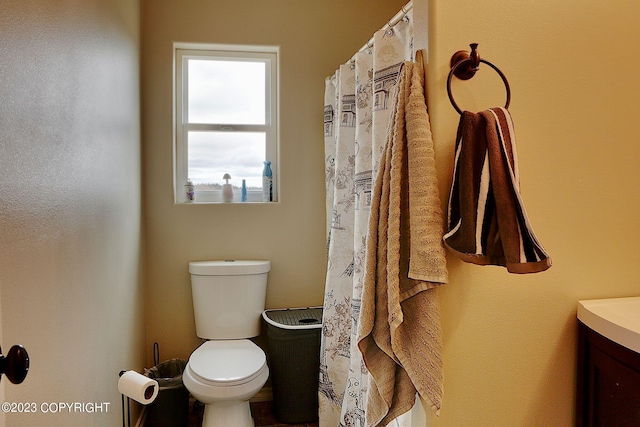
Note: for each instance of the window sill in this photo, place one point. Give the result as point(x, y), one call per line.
point(215, 198)
point(225, 203)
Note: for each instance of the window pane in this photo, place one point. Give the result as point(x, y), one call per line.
point(226, 92)
point(213, 154)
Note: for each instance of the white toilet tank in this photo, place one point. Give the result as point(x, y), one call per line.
point(228, 297)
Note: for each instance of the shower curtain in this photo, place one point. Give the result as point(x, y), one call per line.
point(358, 101)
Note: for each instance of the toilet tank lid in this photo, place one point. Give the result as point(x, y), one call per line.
point(229, 267)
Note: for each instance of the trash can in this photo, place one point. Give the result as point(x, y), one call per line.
point(171, 407)
point(294, 348)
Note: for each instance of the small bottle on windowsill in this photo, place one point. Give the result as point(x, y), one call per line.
point(227, 190)
point(267, 182)
point(190, 192)
point(244, 191)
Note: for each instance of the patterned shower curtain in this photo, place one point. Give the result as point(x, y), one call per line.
point(358, 101)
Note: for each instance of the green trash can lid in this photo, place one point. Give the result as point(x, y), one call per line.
point(294, 318)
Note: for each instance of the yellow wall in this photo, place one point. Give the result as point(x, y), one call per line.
point(70, 203)
point(69, 274)
point(510, 341)
point(314, 38)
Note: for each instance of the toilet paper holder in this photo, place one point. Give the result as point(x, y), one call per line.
point(144, 395)
point(15, 365)
point(149, 390)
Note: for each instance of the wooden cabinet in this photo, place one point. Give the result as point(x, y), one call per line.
point(608, 393)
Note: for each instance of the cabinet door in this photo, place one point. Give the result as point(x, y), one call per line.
point(613, 392)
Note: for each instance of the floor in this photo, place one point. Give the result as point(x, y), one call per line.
point(261, 411)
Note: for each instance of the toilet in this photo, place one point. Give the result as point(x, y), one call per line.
point(227, 369)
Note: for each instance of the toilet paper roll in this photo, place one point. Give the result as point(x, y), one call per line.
point(138, 387)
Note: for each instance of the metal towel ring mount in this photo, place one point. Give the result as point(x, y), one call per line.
point(464, 66)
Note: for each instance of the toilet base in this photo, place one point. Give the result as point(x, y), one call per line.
point(227, 413)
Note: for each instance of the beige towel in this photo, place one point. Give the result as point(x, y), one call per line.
point(399, 331)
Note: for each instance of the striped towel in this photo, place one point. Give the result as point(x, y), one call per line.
point(487, 221)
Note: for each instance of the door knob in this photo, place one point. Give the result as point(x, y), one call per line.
point(15, 365)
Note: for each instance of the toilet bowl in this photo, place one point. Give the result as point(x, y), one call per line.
point(224, 375)
point(228, 369)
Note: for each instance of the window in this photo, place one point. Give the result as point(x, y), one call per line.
point(225, 120)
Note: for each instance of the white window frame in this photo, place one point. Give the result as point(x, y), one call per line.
point(181, 53)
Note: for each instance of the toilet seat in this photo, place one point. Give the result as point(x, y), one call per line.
point(224, 363)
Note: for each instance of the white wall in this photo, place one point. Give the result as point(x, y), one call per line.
point(70, 211)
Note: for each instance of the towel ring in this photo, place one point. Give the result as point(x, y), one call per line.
point(464, 65)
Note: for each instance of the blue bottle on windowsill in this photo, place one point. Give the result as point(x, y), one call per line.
point(244, 190)
point(267, 182)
